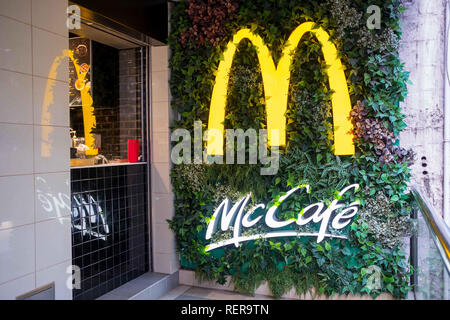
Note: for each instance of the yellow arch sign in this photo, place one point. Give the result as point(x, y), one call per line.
point(276, 84)
point(86, 101)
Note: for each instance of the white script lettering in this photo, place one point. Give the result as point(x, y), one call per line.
point(339, 221)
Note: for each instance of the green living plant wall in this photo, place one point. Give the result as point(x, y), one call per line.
point(377, 82)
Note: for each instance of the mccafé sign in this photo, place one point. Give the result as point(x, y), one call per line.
point(313, 213)
point(276, 84)
point(276, 81)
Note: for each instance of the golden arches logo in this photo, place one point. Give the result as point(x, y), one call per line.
point(276, 81)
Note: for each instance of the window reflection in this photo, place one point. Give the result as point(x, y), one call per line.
point(107, 128)
point(54, 203)
point(47, 131)
point(89, 217)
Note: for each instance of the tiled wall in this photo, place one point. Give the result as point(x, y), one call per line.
point(165, 258)
point(130, 75)
point(35, 235)
point(109, 218)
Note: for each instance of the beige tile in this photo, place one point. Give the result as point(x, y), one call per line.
point(16, 9)
point(160, 86)
point(212, 284)
point(51, 149)
point(59, 275)
point(15, 45)
point(161, 178)
point(16, 252)
point(166, 263)
point(52, 197)
point(16, 104)
point(160, 116)
point(223, 294)
point(50, 102)
point(162, 207)
point(16, 156)
point(213, 291)
point(292, 294)
point(17, 287)
point(53, 242)
point(50, 15)
point(160, 147)
point(186, 277)
point(16, 197)
point(163, 238)
point(263, 289)
point(47, 48)
point(160, 58)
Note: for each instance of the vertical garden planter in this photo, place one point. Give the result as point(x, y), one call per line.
point(317, 72)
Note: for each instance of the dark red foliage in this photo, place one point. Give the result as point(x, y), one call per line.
point(371, 130)
point(208, 18)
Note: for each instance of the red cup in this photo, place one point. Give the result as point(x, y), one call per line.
point(133, 150)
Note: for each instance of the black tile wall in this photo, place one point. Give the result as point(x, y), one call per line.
point(130, 97)
point(109, 227)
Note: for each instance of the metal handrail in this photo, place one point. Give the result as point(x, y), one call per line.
point(437, 225)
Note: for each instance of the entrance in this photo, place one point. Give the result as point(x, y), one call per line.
point(108, 68)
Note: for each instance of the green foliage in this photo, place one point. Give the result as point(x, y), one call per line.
point(375, 76)
point(381, 222)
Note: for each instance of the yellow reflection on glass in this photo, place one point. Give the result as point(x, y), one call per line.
point(86, 102)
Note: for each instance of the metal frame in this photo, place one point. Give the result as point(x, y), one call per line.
point(104, 24)
point(148, 118)
point(100, 22)
point(438, 228)
point(34, 294)
point(413, 254)
point(439, 232)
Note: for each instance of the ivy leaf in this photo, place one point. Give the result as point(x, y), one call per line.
point(303, 251)
point(346, 251)
point(353, 263)
point(390, 288)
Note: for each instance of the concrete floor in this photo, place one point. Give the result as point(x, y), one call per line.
point(183, 292)
point(194, 293)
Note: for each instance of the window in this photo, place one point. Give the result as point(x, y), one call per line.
point(106, 100)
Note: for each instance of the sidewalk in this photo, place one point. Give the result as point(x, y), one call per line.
point(183, 292)
point(194, 293)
